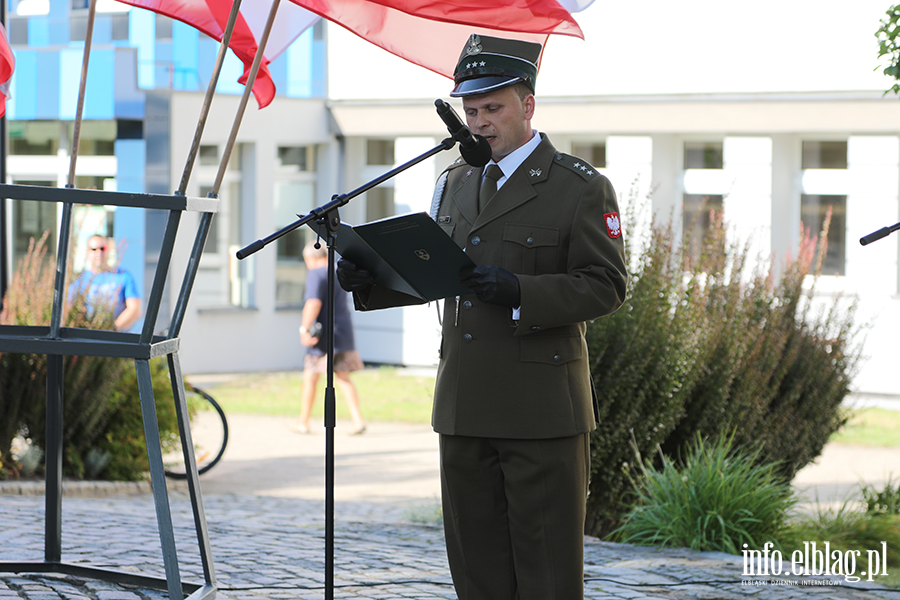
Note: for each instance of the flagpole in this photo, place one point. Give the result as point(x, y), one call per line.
point(207, 100)
point(248, 88)
point(4, 151)
point(76, 133)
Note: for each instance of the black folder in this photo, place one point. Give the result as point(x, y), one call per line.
point(408, 253)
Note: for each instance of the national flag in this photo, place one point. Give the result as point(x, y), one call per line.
point(430, 33)
point(211, 17)
point(7, 66)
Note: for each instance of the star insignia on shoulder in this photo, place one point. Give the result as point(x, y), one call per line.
point(576, 165)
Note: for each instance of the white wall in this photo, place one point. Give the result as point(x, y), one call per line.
point(663, 47)
point(260, 337)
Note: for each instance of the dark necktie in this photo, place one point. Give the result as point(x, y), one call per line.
point(489, 185)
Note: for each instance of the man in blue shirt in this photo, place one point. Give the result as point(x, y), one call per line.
point(108, 285)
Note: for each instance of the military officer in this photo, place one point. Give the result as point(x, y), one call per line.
point(513, 401)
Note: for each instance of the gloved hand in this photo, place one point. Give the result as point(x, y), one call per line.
point(352, 278)
point(492, 285)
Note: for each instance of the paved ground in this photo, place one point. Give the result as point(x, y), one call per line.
point(264, 506)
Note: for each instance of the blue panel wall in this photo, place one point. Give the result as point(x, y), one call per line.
point(47, 102)
point(38, 32)
point(130, 223)
point(24, 86)
point(129, 100)
point(142, 35)
point(59, 22)
point(299, 58)
point(99, 102)
point(185, 58)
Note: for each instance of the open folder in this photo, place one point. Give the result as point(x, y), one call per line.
point(408, 253)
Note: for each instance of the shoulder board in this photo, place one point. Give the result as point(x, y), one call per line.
point(459, 162)
point(573, 163)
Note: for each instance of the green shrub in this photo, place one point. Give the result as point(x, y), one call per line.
point(886, 501)
point(707, 344)
point(846, 528)
point(717, 499)
point(96, 390)
point(123, 442)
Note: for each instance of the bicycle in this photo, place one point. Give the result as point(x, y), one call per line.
point(209, 433)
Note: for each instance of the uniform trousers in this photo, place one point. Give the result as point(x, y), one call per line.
point(514, 516)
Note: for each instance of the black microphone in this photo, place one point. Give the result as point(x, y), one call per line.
point(877, 235)
point(474, 149)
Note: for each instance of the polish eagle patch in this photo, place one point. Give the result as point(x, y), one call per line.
point(613, 227)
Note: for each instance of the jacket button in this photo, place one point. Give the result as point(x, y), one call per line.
point(467, 338)
point(557, 358)
point(476, 240)
point(530, 241)
point(467, 305)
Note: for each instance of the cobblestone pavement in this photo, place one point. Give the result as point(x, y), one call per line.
point(273, 547)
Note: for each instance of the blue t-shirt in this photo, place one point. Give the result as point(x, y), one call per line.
point(317, 287)
point(110, 288)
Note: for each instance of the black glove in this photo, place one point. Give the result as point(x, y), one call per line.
point(352, 278)
point(492, 285)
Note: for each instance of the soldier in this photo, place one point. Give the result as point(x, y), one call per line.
point(514, 402)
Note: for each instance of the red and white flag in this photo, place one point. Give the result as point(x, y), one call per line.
point(7, 66)
point(211, 17)
point(430, 33)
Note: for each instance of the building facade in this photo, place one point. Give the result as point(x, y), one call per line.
point(694, 105)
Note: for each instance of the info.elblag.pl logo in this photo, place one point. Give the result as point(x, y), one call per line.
point(816, 560)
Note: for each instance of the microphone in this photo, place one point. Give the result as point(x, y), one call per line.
point(474, 149)
point(877, 235)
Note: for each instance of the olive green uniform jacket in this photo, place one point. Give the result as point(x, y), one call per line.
point(554, 223)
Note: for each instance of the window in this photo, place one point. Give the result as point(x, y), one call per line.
point(34, 138)
point(696, 218)
point(292, 198)
point(31, 219)
point(593, 153)
point(208, 156)
point(824, 155)
point(18, 32)
point(824, 191)
point(163, 28)
point(222, 280)
point(704, 155)
point(379, 152)
point(813, 212)
point(120, 27)
point(296, 158)
point(77, 28)
point(379, 203)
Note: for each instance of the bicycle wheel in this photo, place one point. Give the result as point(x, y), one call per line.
point(209, 433)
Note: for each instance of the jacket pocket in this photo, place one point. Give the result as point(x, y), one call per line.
point(556, 350)
point(529, 249)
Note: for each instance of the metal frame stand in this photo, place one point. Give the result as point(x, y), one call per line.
point(56, 341)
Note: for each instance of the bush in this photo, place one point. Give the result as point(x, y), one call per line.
point(846, 528)
point(707, 344)
point(718, 499)
point(99, 393)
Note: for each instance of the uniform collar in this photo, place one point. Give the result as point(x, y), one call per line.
point(512, 161)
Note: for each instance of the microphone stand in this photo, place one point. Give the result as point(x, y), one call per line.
point(327, 219)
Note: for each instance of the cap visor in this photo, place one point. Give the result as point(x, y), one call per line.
point(481, 85)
